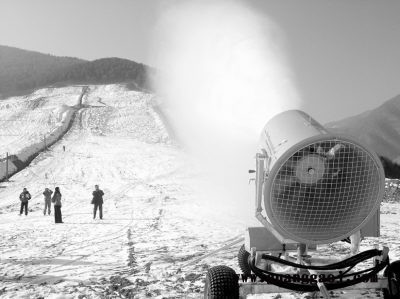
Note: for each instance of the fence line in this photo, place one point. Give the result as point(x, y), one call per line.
point(13, 163)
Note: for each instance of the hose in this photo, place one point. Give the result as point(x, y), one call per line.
point(339, 265)
point(280, 280)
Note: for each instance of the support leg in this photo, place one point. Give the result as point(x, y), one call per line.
point(355, 240)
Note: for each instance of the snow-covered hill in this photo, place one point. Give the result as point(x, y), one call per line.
point(150, 223)
point(34, 122)
point(154, 222)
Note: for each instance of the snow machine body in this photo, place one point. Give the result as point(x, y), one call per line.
point(312, 187)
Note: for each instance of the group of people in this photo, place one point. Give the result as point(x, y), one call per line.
point(55, 198)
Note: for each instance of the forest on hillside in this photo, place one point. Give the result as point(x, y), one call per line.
point(22, 71)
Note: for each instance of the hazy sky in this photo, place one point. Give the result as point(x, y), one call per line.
point(344, 53)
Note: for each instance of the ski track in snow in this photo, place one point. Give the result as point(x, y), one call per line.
point(153, 223)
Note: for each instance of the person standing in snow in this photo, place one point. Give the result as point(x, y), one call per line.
point(47, 200)
point(24, 197)
point(97, 201)
point(56, 199)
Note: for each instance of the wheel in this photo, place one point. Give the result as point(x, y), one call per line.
point(243, 260)
point(392, 272)
point(221, 283)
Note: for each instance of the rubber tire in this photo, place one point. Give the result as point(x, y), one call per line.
point(243, 260)
point(393, 273)
point(221, 283)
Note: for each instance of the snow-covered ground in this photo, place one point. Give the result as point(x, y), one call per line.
point(31, 123)
point(150, 224)
point(26, 120)
point(154, 223)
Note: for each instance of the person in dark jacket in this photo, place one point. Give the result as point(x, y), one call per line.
point(56, 199)
point(24, 197)
point(47, 200)
point(97, 201)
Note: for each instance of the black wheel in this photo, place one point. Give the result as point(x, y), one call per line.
point(392, 272)
point(243, 260)
point(221, 283)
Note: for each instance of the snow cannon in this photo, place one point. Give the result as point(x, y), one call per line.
point(317, 187)
point(313, 186)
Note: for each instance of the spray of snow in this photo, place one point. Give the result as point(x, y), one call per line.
point(223, 75)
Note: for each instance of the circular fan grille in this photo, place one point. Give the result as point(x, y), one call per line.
point(324, 191)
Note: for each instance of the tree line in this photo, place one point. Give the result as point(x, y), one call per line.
point(22, 71)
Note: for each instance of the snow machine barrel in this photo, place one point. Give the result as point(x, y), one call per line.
point(317, 186)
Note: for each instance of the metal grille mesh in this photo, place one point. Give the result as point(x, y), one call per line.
point(325, 190)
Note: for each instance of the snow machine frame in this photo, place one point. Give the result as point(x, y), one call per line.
point(264, 247)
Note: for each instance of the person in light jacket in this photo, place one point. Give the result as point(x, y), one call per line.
point(97, 201)
point(56, 199)
point(24, 197)
point(47, 200)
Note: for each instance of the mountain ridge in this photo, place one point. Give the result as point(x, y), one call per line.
point(379, 128)
point(22, 71)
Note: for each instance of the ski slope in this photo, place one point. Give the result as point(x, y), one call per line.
point(118, 142)
point(27, 120)
point(154, 222)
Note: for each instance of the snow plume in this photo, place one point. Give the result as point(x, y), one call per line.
point(223, 75)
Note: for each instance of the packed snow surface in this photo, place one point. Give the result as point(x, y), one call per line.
point(154, 221)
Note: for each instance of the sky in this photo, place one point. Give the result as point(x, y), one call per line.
point(344, 55)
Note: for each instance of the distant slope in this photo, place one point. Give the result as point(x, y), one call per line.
point(378, 128)
point(22, 71)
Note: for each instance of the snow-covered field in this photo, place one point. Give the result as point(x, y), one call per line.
point(150, 224)
point(154, 223)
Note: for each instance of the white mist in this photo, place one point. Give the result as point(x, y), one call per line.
point(223, 75)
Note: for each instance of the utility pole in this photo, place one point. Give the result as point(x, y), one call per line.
point(45, 145)
point(7, 167)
